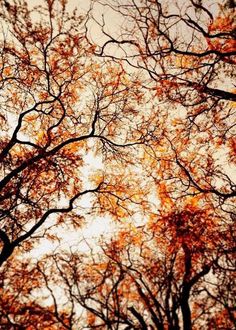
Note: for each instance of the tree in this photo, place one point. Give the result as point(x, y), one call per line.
point(167, 274)
point(135, 118)
point(18, 308)
point(174, 272)
point(184, 45)
point(57, 103)
point(188, 51)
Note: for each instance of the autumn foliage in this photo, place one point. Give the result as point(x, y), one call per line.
point(118, 119)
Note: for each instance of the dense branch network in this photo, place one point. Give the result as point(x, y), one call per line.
point(123, 115)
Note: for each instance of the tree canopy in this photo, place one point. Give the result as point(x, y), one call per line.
point(121, 113)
